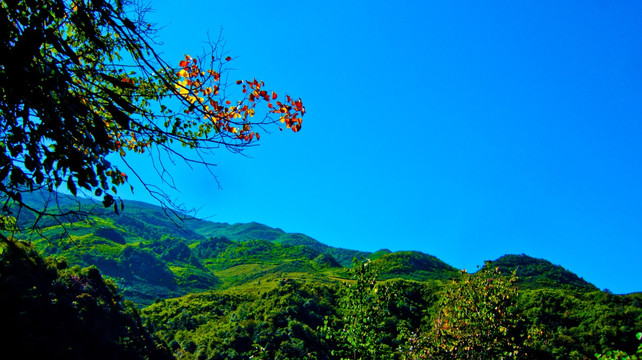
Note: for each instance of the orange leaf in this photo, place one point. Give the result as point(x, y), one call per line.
point(273, 95)
point(183, 63)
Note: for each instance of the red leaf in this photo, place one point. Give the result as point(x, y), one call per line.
point(273, 95)
point(228, 58)
point(183, 63)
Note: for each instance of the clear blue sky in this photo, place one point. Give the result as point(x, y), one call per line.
point(462, 129)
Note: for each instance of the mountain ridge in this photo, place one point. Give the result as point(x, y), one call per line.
point(150, 257)
point(219, 290)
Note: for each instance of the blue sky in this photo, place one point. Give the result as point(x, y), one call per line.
point(466, 130)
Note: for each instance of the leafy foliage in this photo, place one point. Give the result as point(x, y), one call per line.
point(81, 80)
point(619, 354)
point(279, 323)
point(477, 319)
point(362, 308)
point(576, 325)
point(51, 310)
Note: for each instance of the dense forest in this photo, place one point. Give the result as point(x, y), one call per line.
point(208, 290)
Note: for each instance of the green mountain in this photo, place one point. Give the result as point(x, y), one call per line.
point(256, 231)
point(236, 291)
point(151, 254)
point(535, 273)
point(414, 265)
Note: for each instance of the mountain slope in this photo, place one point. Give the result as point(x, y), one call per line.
point(50, 311)
point(217, 290)
point(342, 256)
point(536, 273)
point(152, 255)
point(414, 265)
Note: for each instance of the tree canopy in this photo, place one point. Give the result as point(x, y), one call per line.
point(81, 79)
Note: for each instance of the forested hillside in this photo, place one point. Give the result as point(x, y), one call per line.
point(221, 291)
point(54, 311)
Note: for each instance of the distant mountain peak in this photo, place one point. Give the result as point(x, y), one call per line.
point(536, 273)
point(414, 265)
